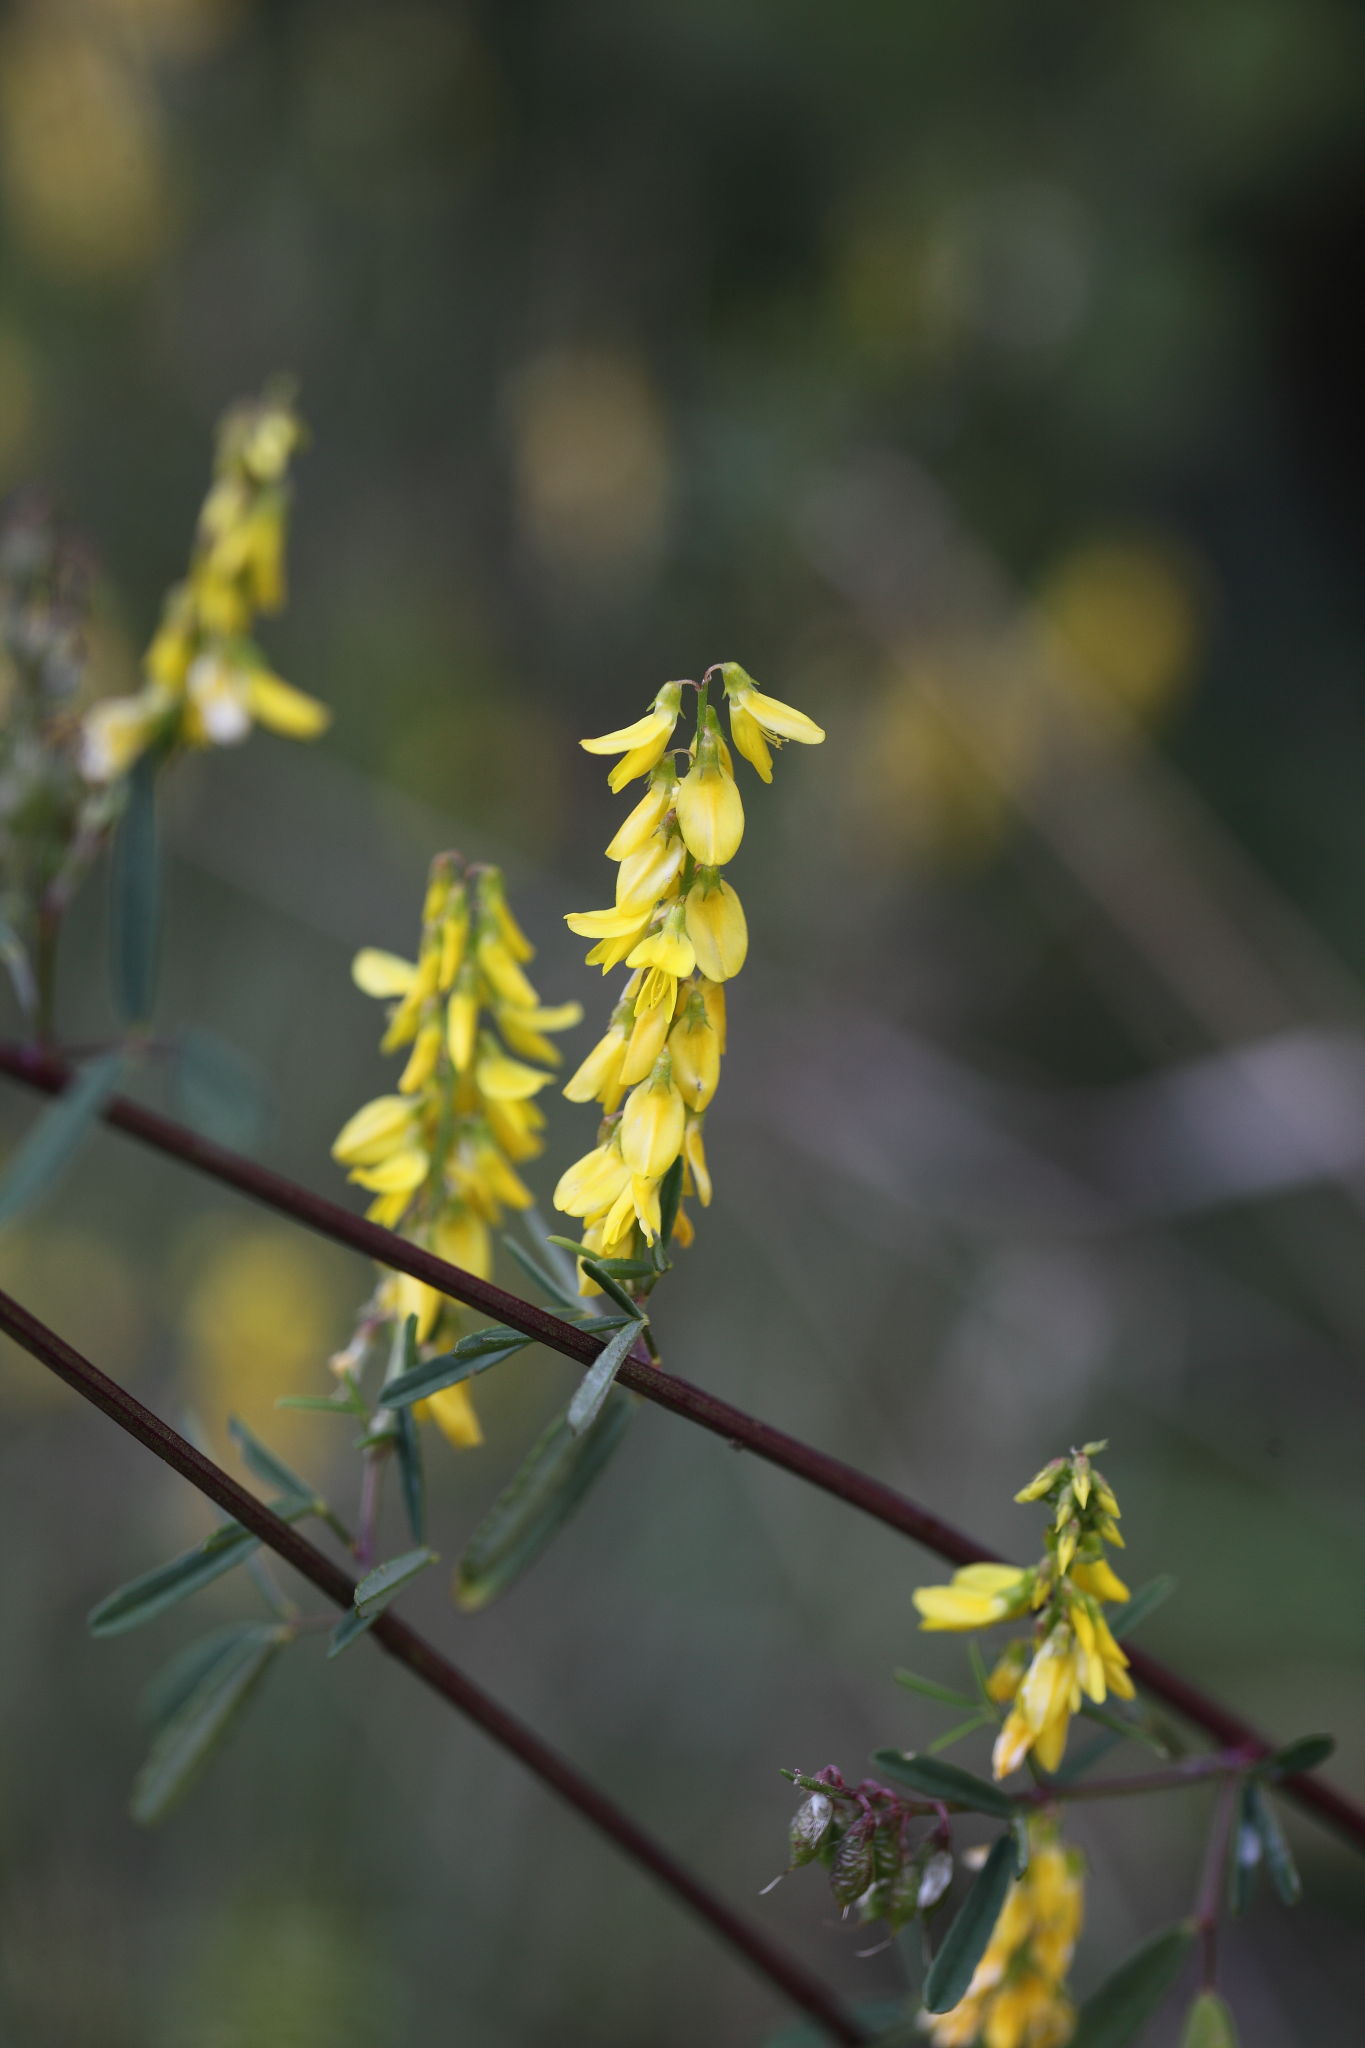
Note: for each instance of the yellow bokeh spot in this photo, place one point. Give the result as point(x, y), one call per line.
point(1121, 625)
point(592, 462)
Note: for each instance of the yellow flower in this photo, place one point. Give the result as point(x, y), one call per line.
point(716, 925)
point(375, 1131)
point(695, 1054)
point(648, 815)
point(641, 745)
point(506, 1080)
point(758, 722)
point(652, 1124)
point(647, 1038)
point(979, 1595)
point(709, 809)
point(598, 1077)
point(376, 973)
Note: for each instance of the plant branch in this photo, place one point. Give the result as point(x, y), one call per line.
point(427, 1663)
point(857, 1489)
point(1213, 1884)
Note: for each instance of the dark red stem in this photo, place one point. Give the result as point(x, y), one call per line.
point(422, 1658)
point(857, 1489)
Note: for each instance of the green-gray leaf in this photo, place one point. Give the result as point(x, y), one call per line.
point(142, 1599)
point(218, 1090)
point(472, 1354)
point(558, 1472)
point(1279, 1859)
point(964, 1944)
point(135, 897)
point(407, 1445)
point(609, 1285)
point(932, 1690)
point(263, 1462)
point(1123, 1620)
point(545, 1280)
point(1209, 2023)
point(54, 1139)
point(172, 1685)
point(934, 1779)
point(1305, 1754)
point(14, 954)
point(600, 1377)
point(185, 1742)
point(349, 1629)
point(387, 1580)
point(1124, 2003)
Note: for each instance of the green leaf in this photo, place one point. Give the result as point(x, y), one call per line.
point(142, 1599)
point(598, 1380)
point(1123, 1620)
point(349, 1630)
point(558, 1472)
point(1023, 1846)
point(1248, 1853)
point(471, 1355)
point(387, 1580)
point(1209, 2023)
point(545, 1280)
point(933, 1779)
point(217, 1090)
point(932, 1690)
point(53, 1141)
point(1116, 2013)
point(963, 1729)
point(135, 897)
point(670, 1200)
point(1085, 1759)
point(407, 1446)
point(595, 1270)
point(964, 1944)
point(1279, 1859)
point(168, 1691)
point(265, 1464)
point(889, 2026)
point(1138, 1726)
point(199, 1724)
point(1305, 1754)
point(14, 955)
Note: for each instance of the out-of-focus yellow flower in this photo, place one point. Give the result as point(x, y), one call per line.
point(679, 926)
point(1017, 1997)
point(206, 683)
point(1074, 1653)
point(257, 1314)
point(437, 1154)
point(1120, 624)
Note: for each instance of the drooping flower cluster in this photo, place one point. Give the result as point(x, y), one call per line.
point(679, 926)
point(206, 682)
point(1072, 1651)
point(440, 1155)
point(1017, 1997)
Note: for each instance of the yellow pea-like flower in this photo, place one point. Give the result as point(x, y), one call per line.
point(717, 927)
point(593, 1182)
point(649, 814)
point(777, 721)
point(506, 1080)
point(399, 1173)
point(710, 812)
point(695, 1054)
point(643, 743)
point(600, 1072)
point(426, 1051)
point(376, 973)
point(647, 1039)
point(652, 1124)
point(374, 1131)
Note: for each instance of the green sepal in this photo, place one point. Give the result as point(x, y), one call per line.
point(1115, 2014)
point(185, 1741)
point(135, 897)
point(1209, 2023)
point(934, 1779)
point(598, 1380)
point(387, 1580)
point(556, 1475)
point(964, 1944)
point(1123, 1620)
point(53, 1140)
point(473, 1354)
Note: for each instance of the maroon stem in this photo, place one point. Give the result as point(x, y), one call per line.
point(857, 1489)
point(421, 1657)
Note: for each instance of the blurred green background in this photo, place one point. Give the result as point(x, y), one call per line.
point(987, 381)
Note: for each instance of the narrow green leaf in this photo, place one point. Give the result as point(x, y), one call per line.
point(1279, 1858)
point(888, 2025)
point(56, 1136)
point(387, 1580)
point(408, 1447)
point(321, 1404)
point(168, 1691)
point(555, 1477)
point(14, 954)
point(963, 1729)
point(1023, 1847)
point(349, 1630)
point(545, 1280)
point(471, 1355)
point(186, 1741)
point(263, 1462)
point(1085, 1759)
point(1116, 2013)
point(932, 1690)
point(1209, 2023)
point(135, 897)
point(934, 1779)
point(1305, 1754)
point(1248, 1853)
point(1139, 1727)
point(1123, 1620)
point(670, 1200)
point(611, 1286)
point(142, 1599)
point(217, 1090)
point(965, 1942)
point(598, 1380)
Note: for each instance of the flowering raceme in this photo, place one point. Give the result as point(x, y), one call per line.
point(1017, 1996)
point(440, 1155)
point(1072, 1651)
point(207, 683)
point(678, 925)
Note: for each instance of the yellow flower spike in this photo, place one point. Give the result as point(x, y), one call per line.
point(695, 1054)
point(376, 973)
point(652, 1124)
point(506, 1080)
point(777, 721)
point(426, 1051)
point(645, 876)
point(716, 925)
point(655, 729)
point(648, 815)
point(1017, 1995)
point(647, 1038)
point(694, 1152)
point(708, 805)
point(600, 1073)
point(380, 1127)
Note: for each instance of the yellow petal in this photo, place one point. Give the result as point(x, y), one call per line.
point(400, 1171)
point(278, 705)
point(453, 1413)
point(374, 1131)
point(609, 924)
point(710, 814)
point(652, 1125)
point(508, 1080)
point(376, 973)
point(646, 1042)
point(717, 928)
